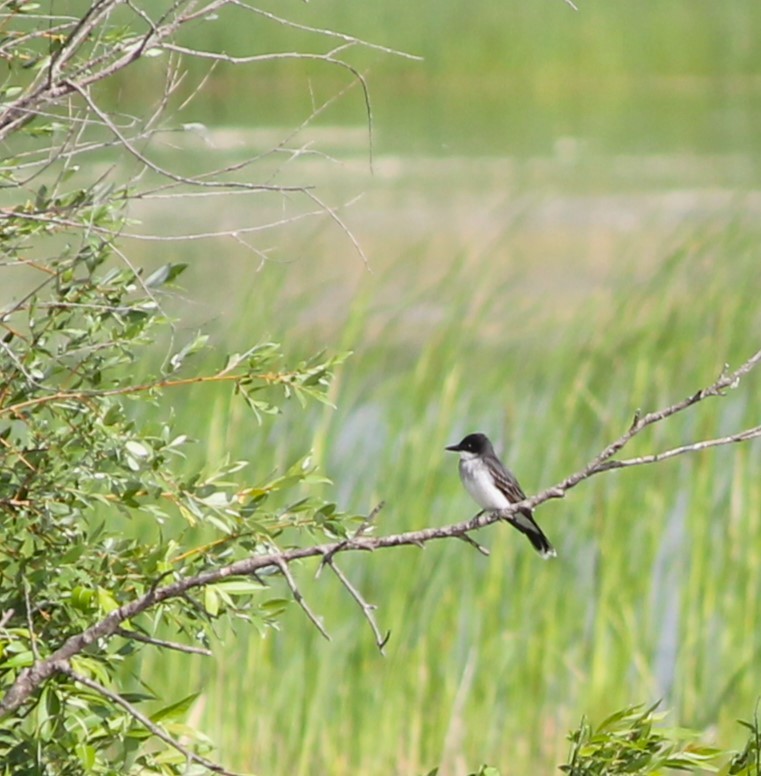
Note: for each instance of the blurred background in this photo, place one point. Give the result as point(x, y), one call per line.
point(560, 225)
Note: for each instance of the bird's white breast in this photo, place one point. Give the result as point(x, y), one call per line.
point(478, 482)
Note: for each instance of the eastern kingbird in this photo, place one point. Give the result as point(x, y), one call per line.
point(494, 487)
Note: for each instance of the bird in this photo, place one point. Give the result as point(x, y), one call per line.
point(494, 487)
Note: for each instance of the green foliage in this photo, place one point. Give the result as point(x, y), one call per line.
point(77, 463)
point(82, 461)
point(628, 742)
point(747, 762)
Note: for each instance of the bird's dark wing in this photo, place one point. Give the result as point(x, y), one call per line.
point(506, 482)
point(523, 520)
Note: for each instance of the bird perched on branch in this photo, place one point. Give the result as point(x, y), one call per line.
point(494, 487)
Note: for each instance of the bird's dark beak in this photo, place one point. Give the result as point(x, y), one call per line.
point(453, 448)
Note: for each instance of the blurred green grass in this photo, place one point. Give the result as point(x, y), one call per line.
point(497, 77)
point(593, 251)
point(653, 595)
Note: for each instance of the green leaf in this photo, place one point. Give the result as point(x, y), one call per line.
point(137, 449)
point(275, 606)
point(106, 601)
point(83, 598)
point(240, 587)
point(175, 710)
point(87, 755)
point(19, 660)
point(211, 600)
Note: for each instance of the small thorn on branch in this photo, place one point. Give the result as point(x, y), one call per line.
point(697, 396)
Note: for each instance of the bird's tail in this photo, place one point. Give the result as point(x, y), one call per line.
point(525, 523)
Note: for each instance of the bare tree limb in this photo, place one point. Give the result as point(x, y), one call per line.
point(85, 57)
point(725, 381)
point(743, 436)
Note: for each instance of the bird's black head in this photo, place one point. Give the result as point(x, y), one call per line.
point(472, 443)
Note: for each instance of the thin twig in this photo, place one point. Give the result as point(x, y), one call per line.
point(299, 598)
point(29, 623)
point(326, 32)
point(743, 436)
point(134, 635)
point(369, 520)
point(125, 143)
point(128, 390)
point(719, 387)
point(473, 543)
point(359, 533)
point(367, 609)
point(138, 715)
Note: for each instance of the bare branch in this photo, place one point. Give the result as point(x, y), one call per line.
point(326, 32)
point(719, 387)
point(743, 436)
point(369, 521)
point(31, 678)
point(282, 564)
point(473, 543)
point(134, 635)
point(367, 609)
point(125, 143)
